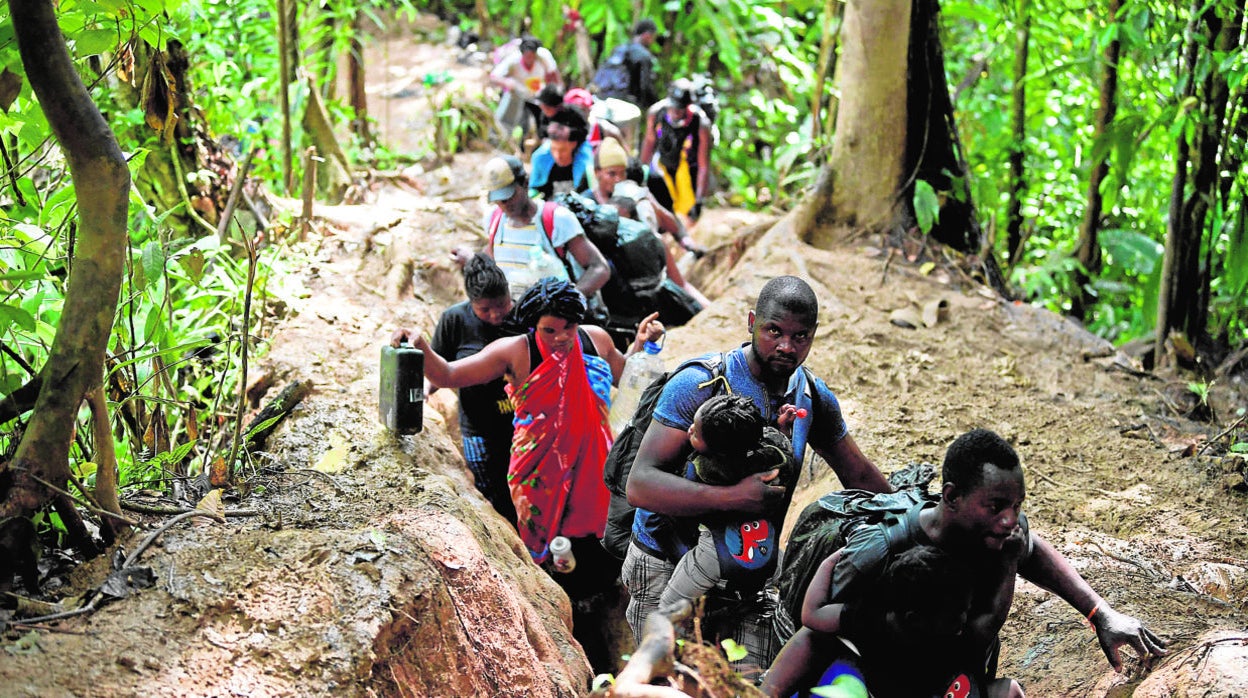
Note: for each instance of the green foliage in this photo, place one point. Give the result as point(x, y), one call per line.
point(1065, 64)
point(734, 650)
point(1200, 390)
point(926, 206)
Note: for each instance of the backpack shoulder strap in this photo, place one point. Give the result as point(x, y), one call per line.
point(548, 225)
point(717, 365)
point(811, 389)
point(496, 220)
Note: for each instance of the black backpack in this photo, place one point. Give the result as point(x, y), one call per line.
point(614, 78)
point(623, 452)
point(824, 526)
point(638, 260)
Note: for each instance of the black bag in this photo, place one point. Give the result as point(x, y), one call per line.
point(823, 527)
point(623, 452)
point(614, 78)
point(638, 260)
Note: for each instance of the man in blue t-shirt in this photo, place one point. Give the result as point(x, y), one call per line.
point(765, 369)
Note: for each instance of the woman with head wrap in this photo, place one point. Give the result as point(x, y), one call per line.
point(559, 375)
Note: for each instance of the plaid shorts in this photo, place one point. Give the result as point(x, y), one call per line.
point(745, 618)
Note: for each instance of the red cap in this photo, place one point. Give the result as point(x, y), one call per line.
point(578, 97)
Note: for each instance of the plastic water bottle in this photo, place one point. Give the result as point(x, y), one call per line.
point(561, 554)
point(639, 372)
point(542, 264)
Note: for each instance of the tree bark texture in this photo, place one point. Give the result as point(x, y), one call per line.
point(1089, 251)
point(102, 181)
point(858, 187)
point(1018, 120)
point(933, 147)
point(1183, 300)
point(333, 175)
point(827, 63)
point(356, 83)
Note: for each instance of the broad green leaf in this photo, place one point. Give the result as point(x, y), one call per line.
point(1131, 249)
point(27, 275)
point(734, 650)
point(12, 315)
point(926, 206)
point(91, 42)
point(153, 259)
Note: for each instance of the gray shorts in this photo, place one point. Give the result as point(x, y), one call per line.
point(744, 618)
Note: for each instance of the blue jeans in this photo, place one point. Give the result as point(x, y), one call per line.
point(488, 459)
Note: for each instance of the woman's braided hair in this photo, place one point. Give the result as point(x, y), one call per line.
point(553, 297)
point(483, 278)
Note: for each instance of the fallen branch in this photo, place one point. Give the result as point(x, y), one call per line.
point(265, 421)
point(652, 658)
point(311, 471)
point(151, 537)
point(173, 511)
point(95, 602)
point(1235, 425)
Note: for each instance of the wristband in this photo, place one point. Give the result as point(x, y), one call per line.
point(1091, 614)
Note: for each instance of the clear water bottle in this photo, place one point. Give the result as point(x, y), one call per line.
point(639, 372)
point(519, 279)
point(561, 554)
point(543, 264)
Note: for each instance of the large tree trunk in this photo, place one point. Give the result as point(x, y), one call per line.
point(933, 148)
point(102, 181)
point(356, 83)
point(858, 187)
point(1089, 250)
point(1183, 300)
point(1018, 114)
point(827, 61)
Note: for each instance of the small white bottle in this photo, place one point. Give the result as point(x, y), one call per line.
point(561, 554)
point(639, 372)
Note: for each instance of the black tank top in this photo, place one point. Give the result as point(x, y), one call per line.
point(535, 354)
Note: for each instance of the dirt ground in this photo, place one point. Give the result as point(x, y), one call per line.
point(361, 538)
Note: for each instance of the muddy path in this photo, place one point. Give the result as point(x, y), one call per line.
point(374, 567)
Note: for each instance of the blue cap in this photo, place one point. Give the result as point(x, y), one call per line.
point(652, 348)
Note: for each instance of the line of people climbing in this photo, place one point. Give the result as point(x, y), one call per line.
point(568, 286)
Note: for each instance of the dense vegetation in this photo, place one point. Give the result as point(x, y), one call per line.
point(1027, 77)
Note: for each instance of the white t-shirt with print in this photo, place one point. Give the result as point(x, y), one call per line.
point(532, 78)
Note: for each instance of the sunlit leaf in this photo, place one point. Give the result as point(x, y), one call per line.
point(926, 206)
point(90, 42)
point(13, 315)
point(734, 650)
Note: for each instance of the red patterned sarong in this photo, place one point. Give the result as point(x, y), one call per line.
point(561, 441)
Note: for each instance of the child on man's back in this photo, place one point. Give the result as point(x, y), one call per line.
point(731, 441)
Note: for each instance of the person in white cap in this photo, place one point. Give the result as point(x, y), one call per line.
point(612, 184)
point(526, 238)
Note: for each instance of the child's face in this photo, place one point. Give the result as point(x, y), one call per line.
point(695, 433)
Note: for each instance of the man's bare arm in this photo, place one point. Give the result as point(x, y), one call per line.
point(854, 469)
point(652, 484)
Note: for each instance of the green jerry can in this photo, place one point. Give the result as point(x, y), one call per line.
point(402, 398)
